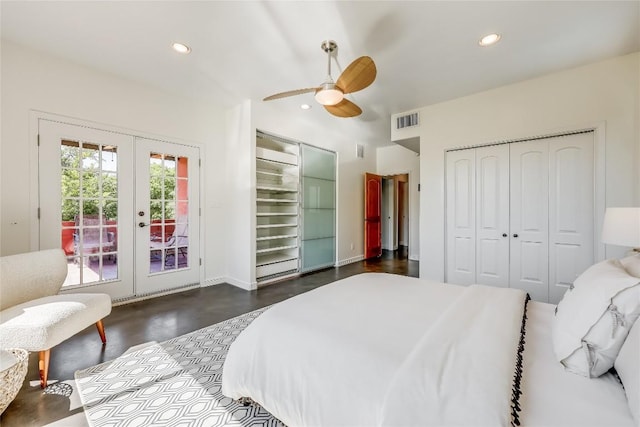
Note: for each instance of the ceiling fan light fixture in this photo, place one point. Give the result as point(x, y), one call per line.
point(181, 48)
point(489, 39)
point(329, 94)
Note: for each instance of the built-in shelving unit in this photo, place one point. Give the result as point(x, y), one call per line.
point(277, 208)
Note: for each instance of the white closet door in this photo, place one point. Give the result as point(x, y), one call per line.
point(529, 246)
point(492, 215)
point(571, 210)
point(461, 184)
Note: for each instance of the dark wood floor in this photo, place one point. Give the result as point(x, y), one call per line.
point(159, 319)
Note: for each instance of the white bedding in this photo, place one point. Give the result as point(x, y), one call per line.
point(345, 354)
point(286, 359)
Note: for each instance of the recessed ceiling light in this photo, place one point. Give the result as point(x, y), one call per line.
point(489, 39)
point(305, 106)
point(181, 48)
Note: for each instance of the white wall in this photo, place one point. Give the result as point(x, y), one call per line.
point(603, 92)
point(239, 183)
point(32, 80)
point(396, 160)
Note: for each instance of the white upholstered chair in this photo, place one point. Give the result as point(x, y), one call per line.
point(33, 316)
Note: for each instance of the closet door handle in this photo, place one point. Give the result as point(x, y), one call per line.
point(504, 234)
point(515, 235)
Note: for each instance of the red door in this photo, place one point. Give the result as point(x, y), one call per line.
point(372, 208)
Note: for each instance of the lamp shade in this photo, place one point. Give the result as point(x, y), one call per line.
point(622, 227)
point(329, 94)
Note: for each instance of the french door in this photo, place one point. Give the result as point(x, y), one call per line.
point(167, 216)
point(93, 185)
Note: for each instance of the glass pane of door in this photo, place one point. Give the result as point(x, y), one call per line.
point(169, 212)
point(89, 204)
point(167, 190)
point(318, 208)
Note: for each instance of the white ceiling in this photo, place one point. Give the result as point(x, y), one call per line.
point(425, 51)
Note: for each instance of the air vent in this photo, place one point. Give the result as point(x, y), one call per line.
point(360, 151)
point(407, 121)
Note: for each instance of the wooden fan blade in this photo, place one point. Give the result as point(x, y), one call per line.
point(358, 75)
point(344, 108)
point(291, 93)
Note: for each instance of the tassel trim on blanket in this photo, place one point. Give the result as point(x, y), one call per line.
point(517, 378)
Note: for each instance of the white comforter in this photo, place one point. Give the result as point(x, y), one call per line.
point(380, 349)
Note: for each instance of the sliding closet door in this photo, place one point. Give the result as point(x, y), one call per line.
point(318, 208)
point(492, 215)
point(529, 266)
point(461, 214)
point(571, 210)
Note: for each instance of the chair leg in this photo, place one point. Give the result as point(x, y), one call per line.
point(43, 366)
point(100, 327)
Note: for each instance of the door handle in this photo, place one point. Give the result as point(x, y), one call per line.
point(504, 234)
point(142, 224)
point(515, 235)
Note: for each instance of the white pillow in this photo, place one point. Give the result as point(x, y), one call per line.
point(632, 264)
point(594, 318)
point(628, 367)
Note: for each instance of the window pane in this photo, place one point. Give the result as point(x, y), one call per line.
point(90, 184)
point(70, 183)
point(155, 210)
point(109, 185)
point(70, 209)
point(90, 208)
point(110, 210)
point(90, 156)
point(183, 189)
point(109, 158)
point(169, 210)
point(183, 167)
point(169, 188)
point(69, 154)
point(169, 166)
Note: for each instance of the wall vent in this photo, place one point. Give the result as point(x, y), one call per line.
point(360, 151)
point(407, 121)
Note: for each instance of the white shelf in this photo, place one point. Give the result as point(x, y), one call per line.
point(276, 188)
point(274, 258)
point(276, 225)
point(276, 156)
point(277, 200)
point(276, 214)
point(284, 236)
point(262, 172)
point(272, 270)
point(276, 249)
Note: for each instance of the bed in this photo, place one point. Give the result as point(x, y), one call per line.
point(383, 349)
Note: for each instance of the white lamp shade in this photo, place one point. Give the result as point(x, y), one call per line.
point(621, 227)
point(329, 94)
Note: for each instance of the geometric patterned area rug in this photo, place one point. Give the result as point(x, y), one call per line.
point(174, 383)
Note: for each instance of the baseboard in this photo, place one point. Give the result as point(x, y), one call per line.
point(247, 286)
point(213, 281)
point(349, 260)
point(143, 297)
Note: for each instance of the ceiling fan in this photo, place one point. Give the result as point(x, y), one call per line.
point(357, 76)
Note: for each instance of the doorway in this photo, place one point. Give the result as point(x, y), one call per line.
point(124, 209)
point(395, 213)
